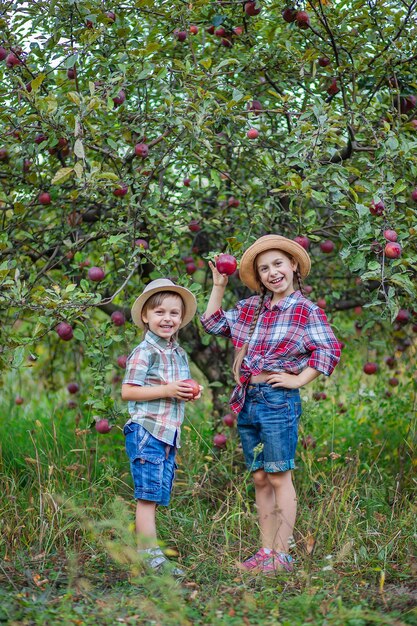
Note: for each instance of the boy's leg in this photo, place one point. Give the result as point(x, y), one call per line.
point(146, 523)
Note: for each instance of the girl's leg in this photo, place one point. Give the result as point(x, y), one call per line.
point(146, 523)
point(265, 503)
point(285, 509)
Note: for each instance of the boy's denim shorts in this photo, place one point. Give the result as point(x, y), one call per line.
point(268, 427)
point(152, 464)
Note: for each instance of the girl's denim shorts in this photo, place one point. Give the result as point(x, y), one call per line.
point(152, 464)
point(268, 427)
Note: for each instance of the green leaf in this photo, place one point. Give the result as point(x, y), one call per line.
point(18, 356)
point(62, 175)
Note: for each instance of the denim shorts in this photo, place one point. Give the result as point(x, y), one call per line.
point(152, 464)
point(268, 427)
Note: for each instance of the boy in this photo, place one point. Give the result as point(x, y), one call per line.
point(155, 389)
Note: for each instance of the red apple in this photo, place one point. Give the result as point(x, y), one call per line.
point(18, 400)
point(12, 60)
point(413, 124)
point(210, 29)
point(64, 331)
point(414, 195)
point(194, 226)
point(302, 19)
point(121, 190)
point(394, 382)
point(377, 208)
point(96, 274)
point(89, 24)
point(181, 35)
point(308, 289)
point(255, 106)
point(226, 43)
point(103, 426)
point(308, 442)
point(120, 98)
point(370, 368)
point(44, 198)
point(403, 316)
point(324, 61)
point(190, 268)
point(3, 53)
point(220, 32)
point(393, 250)
point(229, 420)
point(333, 88)
point(252, 133)
point(252, 9)
point(357, 310)
point(391, 361)
point(40, 138)
point(238, 30)
point(219, 440)
point(142, 150)
point(110, 16)
point(233, 202)
point(4, 155)
point(390, 235)
point(121, 361)
point(73, 388)
point(327, 246)
point(195, 387)
point(71, 404)
point(289, 14)
point(193, 29)
point(186, 182)
point(226, 264)
point(118, 318)
point(71, 73)
point(321, 302)
point(142, 243)
point(302, 241)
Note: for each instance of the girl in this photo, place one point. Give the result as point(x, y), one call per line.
point(283, 341)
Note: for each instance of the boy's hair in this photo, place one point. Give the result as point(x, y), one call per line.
point(156, 300)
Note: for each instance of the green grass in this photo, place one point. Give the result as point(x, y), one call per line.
point(67, 544)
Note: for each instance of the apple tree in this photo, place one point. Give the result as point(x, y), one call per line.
point(140, 139)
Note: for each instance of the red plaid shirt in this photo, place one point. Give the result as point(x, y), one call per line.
point(289, 336)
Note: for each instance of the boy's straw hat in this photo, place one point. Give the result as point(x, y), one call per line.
point(164, 284)
point(247, 271)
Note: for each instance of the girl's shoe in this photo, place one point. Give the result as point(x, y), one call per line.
point(277, 562)
point(255, 562)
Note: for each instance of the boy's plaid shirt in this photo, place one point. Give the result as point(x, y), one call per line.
point(289, 336)
point(155, 362)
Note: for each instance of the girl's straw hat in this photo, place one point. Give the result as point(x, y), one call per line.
point(247, 271)
point(164, 284)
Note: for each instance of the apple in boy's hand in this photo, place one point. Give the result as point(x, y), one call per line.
point(103, 426)
point(195, 387)
point(226, 264)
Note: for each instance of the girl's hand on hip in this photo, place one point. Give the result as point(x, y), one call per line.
point(219, 280)
point(283, 379)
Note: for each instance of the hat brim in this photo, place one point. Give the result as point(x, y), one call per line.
point(190, 304)
point(247, 271)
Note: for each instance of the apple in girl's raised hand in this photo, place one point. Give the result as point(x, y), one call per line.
point(226, 264)
point(195, 387)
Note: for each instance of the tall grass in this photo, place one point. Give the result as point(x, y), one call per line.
point(67, 512)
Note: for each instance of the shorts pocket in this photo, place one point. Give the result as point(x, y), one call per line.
point(149, 472)
point(136, 438)
point(273, 399)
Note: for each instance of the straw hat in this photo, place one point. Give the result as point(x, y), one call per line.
point(164, 284)
point(271, 242)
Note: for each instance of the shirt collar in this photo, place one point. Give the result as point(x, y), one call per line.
point(159, 342)
point(283, 304)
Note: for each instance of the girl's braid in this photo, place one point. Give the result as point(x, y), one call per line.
point(241, 353)
point(300, 281)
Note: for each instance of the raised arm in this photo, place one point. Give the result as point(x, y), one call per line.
point(219, 285)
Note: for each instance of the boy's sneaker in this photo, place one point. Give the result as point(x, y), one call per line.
point(255, 562)
point(156, 561)
point(277, 562)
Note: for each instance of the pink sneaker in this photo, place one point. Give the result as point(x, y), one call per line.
point(256, 561)
point(277, 562)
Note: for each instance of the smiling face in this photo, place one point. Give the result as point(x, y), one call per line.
point(276, 272)
point(163, 314)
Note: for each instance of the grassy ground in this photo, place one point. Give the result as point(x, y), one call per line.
point(67, 545)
